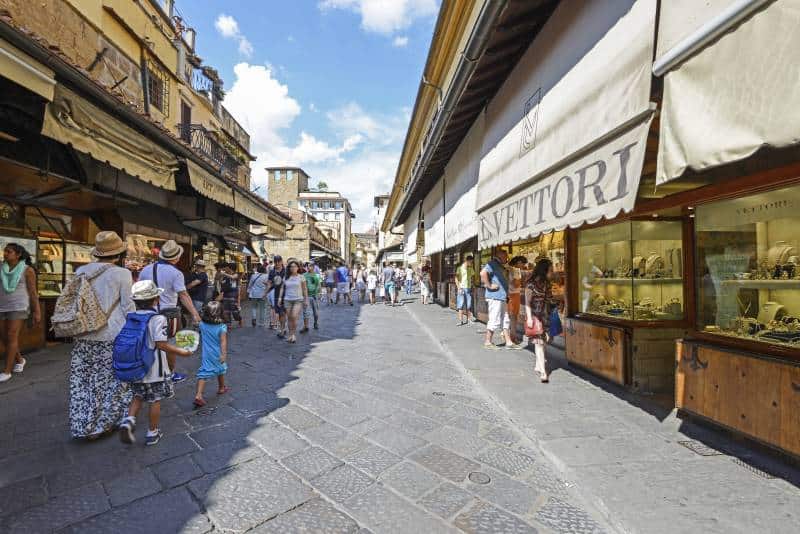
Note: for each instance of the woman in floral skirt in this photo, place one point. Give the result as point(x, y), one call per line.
point(539, 303)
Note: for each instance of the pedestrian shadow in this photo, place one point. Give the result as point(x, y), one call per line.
point(202, 466)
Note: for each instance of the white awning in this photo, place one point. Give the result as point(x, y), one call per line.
point(208, 185)
point(410, 230)
point(583, 92)
point(733, 96)
point(461, 187)
point(433, 211)
point(23, 70)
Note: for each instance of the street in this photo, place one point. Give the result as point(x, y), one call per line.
point(370, 423)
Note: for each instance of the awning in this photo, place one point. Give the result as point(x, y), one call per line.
point(153, 221)
point(582, 90)
point(209, 185)
point(410, 232)
point(461, 187)
point(23, 70)
point(433, 211)
point(71, 120)
point(732, 96)
point(251, 209)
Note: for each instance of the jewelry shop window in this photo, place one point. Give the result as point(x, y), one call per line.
point(748, 278)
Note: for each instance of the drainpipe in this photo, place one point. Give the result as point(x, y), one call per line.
point(476, 46)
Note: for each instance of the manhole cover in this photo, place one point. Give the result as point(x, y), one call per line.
point(438, 394)
point(700, 448)
point(476, 477)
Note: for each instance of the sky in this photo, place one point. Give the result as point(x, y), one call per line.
point(326, 85)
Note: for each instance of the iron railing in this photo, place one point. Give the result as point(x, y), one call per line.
point(201, 83)
point(203, 141)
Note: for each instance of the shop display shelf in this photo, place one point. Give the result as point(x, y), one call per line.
point(763, 284)
point(638, 281)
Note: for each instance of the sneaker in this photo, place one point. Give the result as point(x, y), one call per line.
point(316, 326)
point(126, 430)
point(19, 367)
point(513, 346)
point(5, 377)
point(490, 346)
point(178, 377)
point(152, 439)
point(304, 330)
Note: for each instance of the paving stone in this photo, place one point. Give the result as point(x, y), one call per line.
point(177, 471)
point(444, 462)
point(311, 463)
point(372, 459)
point(257, 402)
point(507, 493)
point(166, 512)
point(128, 488)
point(249, 494)
point(512, 462)
point(412, 423)
point(565, 518)
point(546, 481)
point(347, 417)
point(226, 455)
point(61, 511)
point(382, 511)
point(409, 479)
point(457, 440)
point(22, 495)
point(212, 415)
point(503, 435)
point(278, 441)
point(368, 426)
point(325, 434)
point(342, 483)
point(296, 417)
point(396, 440)
point(169, 447)
point(315, 516)
point(446, 500)
point(484, 518)
point(99, 468)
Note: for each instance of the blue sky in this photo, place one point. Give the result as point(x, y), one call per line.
point(327, 85)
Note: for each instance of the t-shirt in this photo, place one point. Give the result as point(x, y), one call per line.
point(497, 276)
point(388, 275)
point(276, 277)
point(170, 279)
point(466, 276)
point(229, 287)
point(157, 331)
point(330, 276)
point(198, 292)
point(409, 273)
point(294, 288)
point(257, 288)
point(342, 275)
point(313, 281)
point(372, 281)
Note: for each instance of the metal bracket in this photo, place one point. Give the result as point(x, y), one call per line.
point(610, 338)
point(694, 362)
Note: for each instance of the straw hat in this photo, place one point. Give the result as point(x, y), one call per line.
point(170, 251)
point(145, 290)
point(108, 244)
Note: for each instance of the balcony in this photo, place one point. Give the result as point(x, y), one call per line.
point(206, 143)
point(201, 83)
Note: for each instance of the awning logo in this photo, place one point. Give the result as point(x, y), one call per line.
point(530, 119)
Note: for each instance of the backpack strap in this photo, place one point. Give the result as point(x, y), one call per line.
point(155, 281)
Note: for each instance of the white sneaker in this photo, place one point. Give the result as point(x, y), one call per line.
point(19, 367)
point(5, 377)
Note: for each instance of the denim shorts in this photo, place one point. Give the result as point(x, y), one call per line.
point(464, 297)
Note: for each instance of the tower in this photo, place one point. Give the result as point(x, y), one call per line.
point(285, 184)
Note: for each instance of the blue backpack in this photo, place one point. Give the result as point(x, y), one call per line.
point(132, 359)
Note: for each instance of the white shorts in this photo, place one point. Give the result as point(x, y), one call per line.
point(343, 287)
point(498, 315)
point(423, 290)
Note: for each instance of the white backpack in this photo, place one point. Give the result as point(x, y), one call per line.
point(78, 310)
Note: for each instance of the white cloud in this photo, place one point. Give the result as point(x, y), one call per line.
point(400, 41)
point(312, 107)
point(385, 16)
point(229, 29)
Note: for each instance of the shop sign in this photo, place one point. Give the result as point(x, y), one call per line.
point(209, 185)
point(599, 184)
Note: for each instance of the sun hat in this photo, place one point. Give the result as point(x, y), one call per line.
point(170, 251)
point(145, 290)
point(108, 243)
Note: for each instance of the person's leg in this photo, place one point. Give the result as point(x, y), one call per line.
point(494, 321)
point(155, 417)
point(468, 299)
point(201, 387)
point(128, 424)
point(460, 305)
point(12, 329)
point(314, 310)
point(290, 307)
point(541, 361)
point(221, 384)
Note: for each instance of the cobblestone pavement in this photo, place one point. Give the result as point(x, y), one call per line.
point(363, 426)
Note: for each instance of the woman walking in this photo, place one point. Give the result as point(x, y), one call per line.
point(293, 295)
point(539, 303)
point(97, 400)
point(425, 284)
point(330, 283)
point(257, 293)
point(18, 300)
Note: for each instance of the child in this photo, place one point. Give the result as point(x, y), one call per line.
point(157, 383)
point(214, 338)
point(372, 284)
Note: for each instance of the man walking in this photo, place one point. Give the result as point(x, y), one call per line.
point(409, 279)
point(389, 295)
point(276, 276)
point(197, 285)
point(495, 280)
point(465, 279)
point(343, 284)
point(313, 284)
point(167, 277)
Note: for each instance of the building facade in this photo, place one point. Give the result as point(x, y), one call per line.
point(390, 241)
point(365, 249)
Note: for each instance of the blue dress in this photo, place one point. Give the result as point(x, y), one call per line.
point(210, 366)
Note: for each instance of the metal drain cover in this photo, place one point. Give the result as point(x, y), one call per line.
point(700, 448)
point(476, 477)
point(753, 469)
point(438, 394)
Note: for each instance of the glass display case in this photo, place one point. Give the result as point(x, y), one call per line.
point(57, 262)
point(632, 270)
point(748, 267)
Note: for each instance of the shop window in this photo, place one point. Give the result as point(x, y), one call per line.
point(632, 270)
point(158, 87)
point(549, 246)
point(748, 251)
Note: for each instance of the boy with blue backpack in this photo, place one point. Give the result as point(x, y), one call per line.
point(140, 358)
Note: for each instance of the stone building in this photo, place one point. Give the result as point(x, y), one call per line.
point(304, 240)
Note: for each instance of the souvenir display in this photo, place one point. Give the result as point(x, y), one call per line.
point(747, 267)
point(632, 270)
point(57, 263)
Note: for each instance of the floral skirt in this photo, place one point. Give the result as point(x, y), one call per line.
point(97, 400)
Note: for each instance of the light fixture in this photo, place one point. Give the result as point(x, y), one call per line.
point(655, 215)
point(690, 207)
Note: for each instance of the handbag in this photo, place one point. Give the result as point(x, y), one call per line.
point(555, 324)
point(536, 330)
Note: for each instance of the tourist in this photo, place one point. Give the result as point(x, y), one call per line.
point(539, 303)
point(465, 281)
point(197, 284)
point(313, 284)
point(230, 294)
point(388, 284)
point(372, 285)
point(515, 267)
point(19, 300)
point(292, 296)
point(257, 294)
point(276, 277)
point(399, 281)
point(167, 277)
point(409, 279)
point(156, 384)
point(360, 278)
point(343, 284)
point(330, 283)
point(214, 340)
point(495, 280)
point(97, 400)
point(425, 284)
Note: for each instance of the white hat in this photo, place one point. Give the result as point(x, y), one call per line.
point(170, 250)
point(145, 290)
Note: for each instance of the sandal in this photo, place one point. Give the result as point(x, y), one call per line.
point(199, 403)
point(223, 391)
